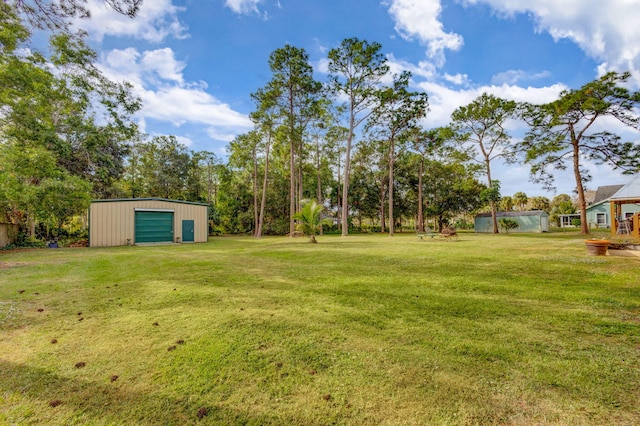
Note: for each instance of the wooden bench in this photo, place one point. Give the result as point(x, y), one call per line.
point(427, 233)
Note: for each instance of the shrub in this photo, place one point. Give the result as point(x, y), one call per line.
point(508, 224)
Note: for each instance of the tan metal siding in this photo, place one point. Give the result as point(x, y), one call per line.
point(112, 223)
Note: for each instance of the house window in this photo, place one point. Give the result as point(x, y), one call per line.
point(601, 219)
point(628, 215)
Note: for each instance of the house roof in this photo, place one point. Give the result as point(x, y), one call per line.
point(605, 192)
point(515, 214)
point(630, 191)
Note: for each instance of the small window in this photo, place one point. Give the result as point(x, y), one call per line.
point(601, 219)
point(628, 215)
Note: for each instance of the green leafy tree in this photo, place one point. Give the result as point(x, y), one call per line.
point(560, 205)
point(506, 203)
point(540, 203)
point(165, 165)
point(244, 154)
point(451, 189)
point(369, 185)
point(481, 124)
point(33, 187)
point(51, 140)
point(520, 199)
point(60, 199)
point(429, 144)
point(396, 114)
point(491, 195)
point(508, 224)
point(56, 15)
point(294, 93)
point(356, 68)
point(564, 132)
point(310, 219)
point(266, 120)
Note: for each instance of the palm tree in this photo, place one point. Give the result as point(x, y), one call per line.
point(309, 218)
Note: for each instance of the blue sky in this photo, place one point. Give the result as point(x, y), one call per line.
point(195, 63)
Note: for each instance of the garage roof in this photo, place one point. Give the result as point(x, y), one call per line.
point(148, 199)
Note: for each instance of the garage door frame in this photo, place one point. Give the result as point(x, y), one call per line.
point(156, 236)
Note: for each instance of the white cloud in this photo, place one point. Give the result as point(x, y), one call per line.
point(423, 69)
point(155, 21)
point(158, 80)
point(607, 31)
point(181, 105)
point(185, 141)
point(419, 19)
point(244, 7)
point(443, 100)
point(459, 79)
point(163, 63)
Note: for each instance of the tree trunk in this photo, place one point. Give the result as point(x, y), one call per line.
point(392, 224)
point(584, 226)
point(299, 181)
point(347, 171)
point(292, 188)
point(339, 198)
point(420, 196)
point(209, 182)
point(264, 190)
point(382, 215)
point(255, 192)
point(494, 217)
point(492, 204)
point(318, 177)
point(31, 220)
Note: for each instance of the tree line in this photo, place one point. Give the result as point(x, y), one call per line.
point(354, 143)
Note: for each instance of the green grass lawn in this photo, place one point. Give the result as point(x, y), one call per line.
point(508, 329)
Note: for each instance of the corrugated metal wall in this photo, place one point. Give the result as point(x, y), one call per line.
point(112, 223)
point(527, 223)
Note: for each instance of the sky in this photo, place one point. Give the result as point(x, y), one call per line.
point(195, 63)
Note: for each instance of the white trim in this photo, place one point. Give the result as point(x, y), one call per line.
point(155, 210)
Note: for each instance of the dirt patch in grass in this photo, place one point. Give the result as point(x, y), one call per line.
point(7, 265)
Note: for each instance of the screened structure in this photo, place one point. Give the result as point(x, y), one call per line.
point(625, 209)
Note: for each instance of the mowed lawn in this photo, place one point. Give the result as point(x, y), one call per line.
point(358, 330)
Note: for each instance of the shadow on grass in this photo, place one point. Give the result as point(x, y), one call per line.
point(67, 400)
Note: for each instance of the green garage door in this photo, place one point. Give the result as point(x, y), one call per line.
point(154, 227)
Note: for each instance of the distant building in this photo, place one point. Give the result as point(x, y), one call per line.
point(624, 210)
point(146, 221)
point(529, 221)
point(599, 212)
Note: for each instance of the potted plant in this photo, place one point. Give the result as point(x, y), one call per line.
point(597, 247)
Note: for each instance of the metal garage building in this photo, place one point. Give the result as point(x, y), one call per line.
point(122, 222)
point(530, 221)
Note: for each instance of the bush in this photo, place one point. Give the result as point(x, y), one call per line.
point(462, 223)
point(508, 224)
point(25, 241)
